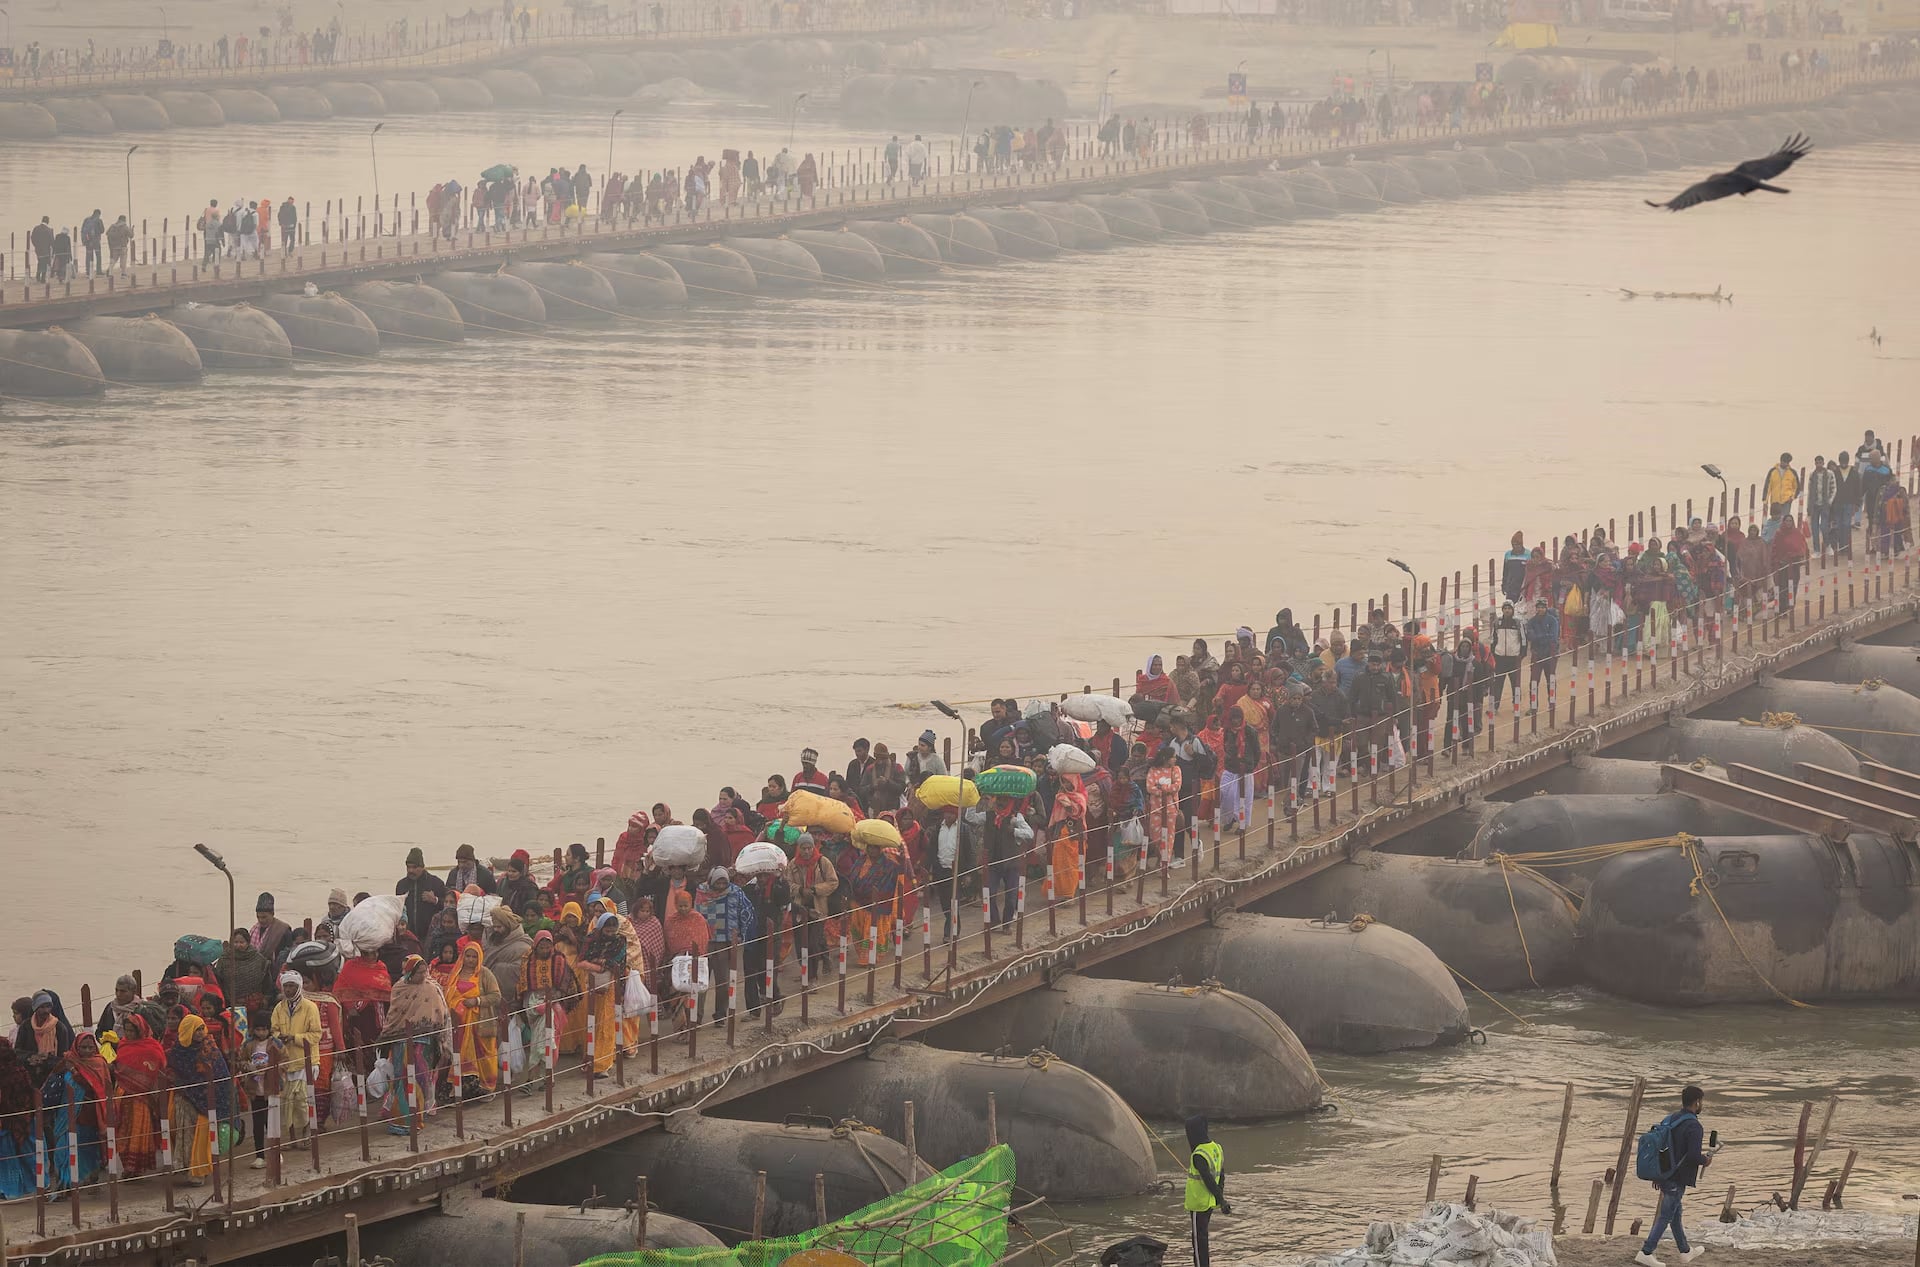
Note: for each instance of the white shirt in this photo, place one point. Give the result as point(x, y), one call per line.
point(949, 846)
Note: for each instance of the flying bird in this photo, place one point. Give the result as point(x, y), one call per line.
point(1744, 179)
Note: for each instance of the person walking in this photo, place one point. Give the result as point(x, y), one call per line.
point(1206, 1185)
point(289, 225)
point(1783, 485)
point(119, 238)
point(1509, 640)
point(41, 240)
point(1822, 489)
point(1685, 1157)
point(93, 231)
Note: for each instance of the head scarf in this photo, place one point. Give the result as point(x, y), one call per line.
point(573, 909)
point(141, 1058)
point(686, 929)
point(196, 1066)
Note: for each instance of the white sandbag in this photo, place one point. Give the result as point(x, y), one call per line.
point(636, 999)
point(679, 845)
point(691, 974)
point(1035, 708)
point(762, 857)
point(1453, 1235)
point(373, 923)
point(1104, 708)
point(1064, 758)
point(476, 908)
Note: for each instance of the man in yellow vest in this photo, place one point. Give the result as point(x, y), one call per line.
point(1206, 1185)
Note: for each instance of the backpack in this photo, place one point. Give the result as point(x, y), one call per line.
point(1653, 1160)
point(249, 223)
point(229, 223)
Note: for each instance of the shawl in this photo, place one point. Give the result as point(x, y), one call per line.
point(1070, 802)
point(419, 1008)
point(686, 928)
point(16, 1094)
point(362, 982)
point(195, 1064)
point(141, 1062)
point(551, 976)
point(876, 877)
point(653, 943)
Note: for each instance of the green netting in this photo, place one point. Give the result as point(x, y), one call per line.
point(957, 1218)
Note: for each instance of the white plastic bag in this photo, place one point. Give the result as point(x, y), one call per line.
point(345, 1106)
point(691, 974)
point(679, 845)
point(1064, 758)
point(513, 1052)
point(380, 1081)
point(373, 923)
point(636, 999)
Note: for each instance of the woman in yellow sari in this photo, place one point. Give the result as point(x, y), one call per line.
point(604, 962)
point(567, 942)
point(473, 1001)
point(1069, 833)
point(636, 962)
point(201, 1086)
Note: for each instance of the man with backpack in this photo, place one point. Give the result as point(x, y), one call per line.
point(1671, 1155)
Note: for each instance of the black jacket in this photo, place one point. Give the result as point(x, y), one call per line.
point(425, 894)
point(1688, 1139)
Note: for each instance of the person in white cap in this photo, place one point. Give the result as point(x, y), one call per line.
point(295, 1031)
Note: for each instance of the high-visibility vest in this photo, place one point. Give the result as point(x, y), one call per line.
point(1199, 1196)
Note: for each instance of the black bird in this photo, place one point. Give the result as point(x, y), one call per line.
point(1744, 179)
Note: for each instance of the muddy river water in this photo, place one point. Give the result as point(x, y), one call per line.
point(506, 592)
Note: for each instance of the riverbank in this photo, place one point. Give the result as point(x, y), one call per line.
point(1611, 1252)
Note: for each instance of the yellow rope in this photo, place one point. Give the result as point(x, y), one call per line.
point(1690, 846)
point(1506, 875)
point(1496, 1002)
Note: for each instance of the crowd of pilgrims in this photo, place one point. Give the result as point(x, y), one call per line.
point(1278, 715)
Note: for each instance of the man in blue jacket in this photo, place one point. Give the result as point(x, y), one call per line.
point(1689, 1156)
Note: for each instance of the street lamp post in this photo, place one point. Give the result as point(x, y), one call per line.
point(220, 865)
point(374, 151)
point(130, 150)
point(953, 880)
point(966, 121)
point(610, 123)
point(793, 116)
point(1416, 587)
point(163, 20)
point(1725, 497)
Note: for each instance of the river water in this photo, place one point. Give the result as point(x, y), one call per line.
point(507, 592)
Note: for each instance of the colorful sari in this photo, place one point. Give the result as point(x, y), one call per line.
point(76, 1099)
point(547, 987)
point(201, 1085)
point(140, 1069)
point(1069, 842)
point(473, 1001)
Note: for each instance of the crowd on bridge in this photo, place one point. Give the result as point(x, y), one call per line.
point(426, 994)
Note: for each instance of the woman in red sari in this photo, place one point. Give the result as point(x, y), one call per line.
point(140, 1070)
point(363, 989)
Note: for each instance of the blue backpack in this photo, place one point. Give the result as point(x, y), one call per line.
point(1654, 1159)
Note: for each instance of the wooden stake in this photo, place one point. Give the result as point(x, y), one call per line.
point(1593, 1206)
point(819, 1200)
point(759, 1202)
point(1800, 1146)
point(1846, 1173)
point(1819, 1143)
point(640, 1212)
point(1560, 1145)
point(1433, 1178)
point(1626, 1150)
point(1473, 1186)
point(353, 1240)
point(913, 1163)
point(1726, 1207)
point(993, 1123)
point(520, 1239)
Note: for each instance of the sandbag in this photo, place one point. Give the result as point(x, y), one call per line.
point(762, 857)
point(679, 845)
point(691, 975)
point(877, 831)
point(1006, 780)
point(816, 812)
point(938, 791)
point(1064, 758)
point(1090, 707)
point(373, 923)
